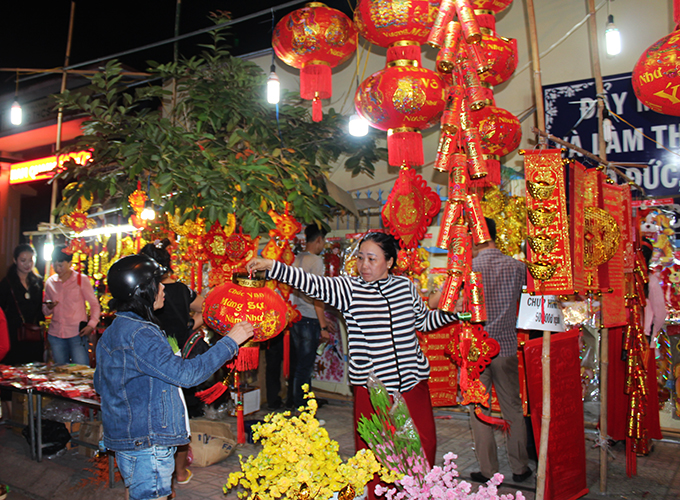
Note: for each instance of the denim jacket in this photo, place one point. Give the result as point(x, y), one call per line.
point(138, 376)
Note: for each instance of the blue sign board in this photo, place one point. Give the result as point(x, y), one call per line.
point(571, 115)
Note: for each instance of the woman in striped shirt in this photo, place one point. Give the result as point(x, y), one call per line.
point(382, 313)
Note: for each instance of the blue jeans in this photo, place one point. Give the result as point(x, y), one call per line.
point(304, 339)
point(147, 473)
point(70, 350)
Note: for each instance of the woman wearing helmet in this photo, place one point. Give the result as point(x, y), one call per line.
point(139, 379)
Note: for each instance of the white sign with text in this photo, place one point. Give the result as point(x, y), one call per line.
point(530, 314)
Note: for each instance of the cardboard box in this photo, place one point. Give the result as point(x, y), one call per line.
point(20, 406)
point(90, 433)
point(74, 429)
point(211, 441)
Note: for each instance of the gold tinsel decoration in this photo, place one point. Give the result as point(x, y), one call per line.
point(509, 213)
point(602, 236)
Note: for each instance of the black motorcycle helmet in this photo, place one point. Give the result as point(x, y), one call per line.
point(128, 274)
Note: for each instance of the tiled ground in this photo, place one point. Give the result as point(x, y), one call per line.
point(658, 475)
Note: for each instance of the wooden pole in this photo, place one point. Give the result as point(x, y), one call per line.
point(60, 114)
point(545, 355)
point(602, 152)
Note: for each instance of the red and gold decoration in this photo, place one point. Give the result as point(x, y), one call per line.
point(315, 39)
point(655, 76)
point(77, 220)
point(613, 302)
point(471, 350)
point(443, 379)
point(402, 100)
point(549, 262)
point(510, 215)
point(410, 207)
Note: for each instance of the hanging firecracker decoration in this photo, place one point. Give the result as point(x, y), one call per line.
point(402, 99)
point(656, 78)
point(315, 39)
point(410, 208)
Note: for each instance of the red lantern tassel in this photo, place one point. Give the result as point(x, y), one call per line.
point(503, 425)
point(316, 80)
point(240, 427)
point(405, 147)
point(248, 359)
point(286, 353)
point(317, 112)
point(213, 393)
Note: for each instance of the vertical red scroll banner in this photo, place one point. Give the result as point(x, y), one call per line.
point(577, 179)
point(566, 462)
point(443, 373)
point(597, 278)
point(613, 302)
point(544, 172)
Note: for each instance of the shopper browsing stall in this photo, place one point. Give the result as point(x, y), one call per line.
point(382, 313)
point(21, 296)
point(139, 378)
point(66, 293)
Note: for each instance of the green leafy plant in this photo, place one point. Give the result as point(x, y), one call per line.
point(203, 135)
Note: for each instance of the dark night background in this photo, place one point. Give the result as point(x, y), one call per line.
point(35, 32)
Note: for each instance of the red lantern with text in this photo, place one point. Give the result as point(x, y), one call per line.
point(656, 78)
point(402, 99)
point(500, 133)
point(402, 26)
point(315, 39)
point(500, 55)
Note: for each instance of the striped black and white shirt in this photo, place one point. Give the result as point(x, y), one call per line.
point(382, 318)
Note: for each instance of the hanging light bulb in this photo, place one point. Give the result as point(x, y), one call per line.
point(612, 37)
point(16, 115)
point(273, 86)
point(48, 248)
point(148, 213)
point(358, 127)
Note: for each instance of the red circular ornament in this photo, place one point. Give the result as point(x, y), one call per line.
point(500, 131)
point(245, 300)
point(501, 56)
point(402, 99)
point(656, 78)
point(315, 39)
point(384, 22)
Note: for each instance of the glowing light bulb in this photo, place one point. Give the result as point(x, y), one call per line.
point(16, 115)
point(358, 127)
point(148, 213)
point(273, 87)
point(612, 37)
point(48, 248)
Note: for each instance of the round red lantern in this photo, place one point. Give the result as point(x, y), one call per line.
point(493, 5)
point(402, 99)
point(245, 299)
point(656, 78)
point(388, 21)
point(501, 57)
point(315, 39)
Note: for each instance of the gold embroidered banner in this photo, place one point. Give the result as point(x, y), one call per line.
point(613, 302)
point(577, 188)
point(549, 261)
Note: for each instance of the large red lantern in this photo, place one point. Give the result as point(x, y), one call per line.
point(385, 22)
point(656, 78)
point(500, 55)
point(315, 39)
point(402, 99)
point(500, 133)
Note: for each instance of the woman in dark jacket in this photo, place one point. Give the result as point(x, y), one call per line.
point(21, 296)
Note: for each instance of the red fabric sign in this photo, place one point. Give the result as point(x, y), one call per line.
point(566, 463)
point(443, 373)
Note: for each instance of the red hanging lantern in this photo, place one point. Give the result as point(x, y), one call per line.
point(388, 22)
point(500, 55)
point(402, 99)
point(315, 39)
point(656, 78)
